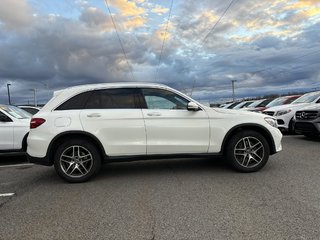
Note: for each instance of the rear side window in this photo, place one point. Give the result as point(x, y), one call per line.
point(76, 102)
point(124, 98)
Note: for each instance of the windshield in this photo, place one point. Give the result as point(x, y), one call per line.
point(16, 112)
point(255, 103)
point(307, 98)
point(241, 105)
point(277, 102)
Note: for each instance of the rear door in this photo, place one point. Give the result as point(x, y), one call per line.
point(170, 127)
point(115, 118)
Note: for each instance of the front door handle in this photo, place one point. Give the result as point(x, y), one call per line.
point(94, 115)
point(154, 114)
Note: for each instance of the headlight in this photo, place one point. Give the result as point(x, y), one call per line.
point(271, 121)
point(283, 112)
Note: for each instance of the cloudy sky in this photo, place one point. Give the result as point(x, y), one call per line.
point(267, 46)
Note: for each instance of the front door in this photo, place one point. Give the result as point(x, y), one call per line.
point(170, 127)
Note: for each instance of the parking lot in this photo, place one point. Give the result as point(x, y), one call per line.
point(167, 199)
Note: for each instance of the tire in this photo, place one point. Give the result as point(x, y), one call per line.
point(291, 127)
point(311, 136)
point(247, 151)
point(77, 160)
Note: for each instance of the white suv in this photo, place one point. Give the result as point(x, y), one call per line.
point(14, 128)
point(84, 125)
point(285, 113)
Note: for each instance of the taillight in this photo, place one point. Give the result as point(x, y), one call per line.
point(36, 122)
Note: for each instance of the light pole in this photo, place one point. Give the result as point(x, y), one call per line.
point(233, 81)
point(34, 96)
point(8, 85)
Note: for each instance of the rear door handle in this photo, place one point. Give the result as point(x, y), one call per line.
point(94, 115)
point(154, 114)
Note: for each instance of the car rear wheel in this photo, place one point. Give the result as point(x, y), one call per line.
point(247, 151)
point(77, 160)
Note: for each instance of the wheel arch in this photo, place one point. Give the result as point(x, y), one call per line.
point(24, 143)
point(74, 134)
point(253, 127)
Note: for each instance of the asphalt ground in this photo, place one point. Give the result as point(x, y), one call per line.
point(167, 199)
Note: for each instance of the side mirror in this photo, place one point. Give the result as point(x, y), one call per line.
point(193, 106)
point(4, 118)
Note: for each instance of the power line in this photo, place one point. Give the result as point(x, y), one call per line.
point(211, 30)
point(118, 36)
point(217, 22)
point(163, 41)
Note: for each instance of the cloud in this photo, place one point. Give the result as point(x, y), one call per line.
point(158, 9)
point(95, 18)
point(267, 47)
point(127, 8)
point(15, 14)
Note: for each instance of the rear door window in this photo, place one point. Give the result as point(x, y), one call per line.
point(118, 98)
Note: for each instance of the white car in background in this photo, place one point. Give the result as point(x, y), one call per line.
point(285, 113)
point(14, 128)
point(30, 109)
point(84, 125)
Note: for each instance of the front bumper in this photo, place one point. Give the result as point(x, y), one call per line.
point(307, 127)
point(277, 138)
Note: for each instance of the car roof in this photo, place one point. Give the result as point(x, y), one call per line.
point(111, 85)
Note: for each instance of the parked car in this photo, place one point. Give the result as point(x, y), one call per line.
point(81, 126)
point(242, 104)
point(285, 113)
point(258, 105)
point(282, 101)
point(307, 121)
point(226, 105)
point(232, 105)
point(30, 109)
point(14, 128)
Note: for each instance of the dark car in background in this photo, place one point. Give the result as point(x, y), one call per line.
point(307, 121)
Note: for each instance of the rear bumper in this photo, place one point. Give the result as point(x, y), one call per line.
point(41, 161)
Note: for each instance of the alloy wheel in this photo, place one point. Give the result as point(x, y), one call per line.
point(249, 152)
point(76, 161)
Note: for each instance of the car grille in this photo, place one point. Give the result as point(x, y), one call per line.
point(307, 115)
point(269, 113)
point(305, 127)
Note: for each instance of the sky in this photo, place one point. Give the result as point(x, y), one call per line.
point(197, 47)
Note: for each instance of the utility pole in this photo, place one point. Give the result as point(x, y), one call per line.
point(233, 81)
point(8, 85)
point(34, 96)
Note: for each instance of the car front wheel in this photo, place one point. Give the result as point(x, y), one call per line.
point(77, 160)
point(247, 151)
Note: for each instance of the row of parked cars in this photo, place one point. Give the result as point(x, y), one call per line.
point(82, 126)
point(296, 113)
